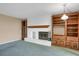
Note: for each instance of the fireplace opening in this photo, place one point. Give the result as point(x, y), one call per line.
point(43, 35)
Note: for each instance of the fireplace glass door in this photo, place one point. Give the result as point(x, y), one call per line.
point(43, 35)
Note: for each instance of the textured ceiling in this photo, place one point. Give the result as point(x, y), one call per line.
point(31, 10)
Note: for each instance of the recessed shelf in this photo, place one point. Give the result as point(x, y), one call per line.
point(58, 22)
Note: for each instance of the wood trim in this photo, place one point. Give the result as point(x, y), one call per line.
point(39, 26)
point(24, 29)
point(57, 35)
point(78, 31)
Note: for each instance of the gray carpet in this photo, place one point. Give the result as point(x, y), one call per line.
point(22, 48)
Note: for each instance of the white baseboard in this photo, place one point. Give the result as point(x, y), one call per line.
point(8, 41)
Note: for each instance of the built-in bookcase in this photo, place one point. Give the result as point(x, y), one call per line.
point(72, 30)
point(70, 38)
point(72, 25)
point(58, 22)
point(58, 28)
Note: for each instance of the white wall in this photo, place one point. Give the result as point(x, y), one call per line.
point(10, 28)
point(38, 21)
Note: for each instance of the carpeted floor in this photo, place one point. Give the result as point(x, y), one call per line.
point(23, 48)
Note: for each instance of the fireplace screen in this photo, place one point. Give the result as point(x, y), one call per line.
point(43, 35)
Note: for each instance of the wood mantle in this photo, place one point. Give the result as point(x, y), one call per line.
point(39, 26)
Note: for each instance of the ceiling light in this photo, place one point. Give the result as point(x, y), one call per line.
point(64, 16)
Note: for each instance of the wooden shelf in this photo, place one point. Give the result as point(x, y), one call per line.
point(58, 35)
point(72, 32)
point(73, 35)
point(72, 23)
point(72, 27)
point(39, 26)
point(73, 17)
point(59, 24)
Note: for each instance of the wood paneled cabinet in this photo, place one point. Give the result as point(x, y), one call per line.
point(72, 42)
point(57, 40)
point(70, 36)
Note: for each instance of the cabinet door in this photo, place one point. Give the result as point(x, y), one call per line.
point(72, 42)
point(58, 40)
